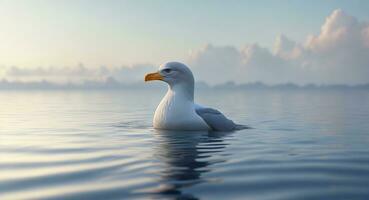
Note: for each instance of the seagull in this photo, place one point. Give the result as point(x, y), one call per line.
point(177, 110)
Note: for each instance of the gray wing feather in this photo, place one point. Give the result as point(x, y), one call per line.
point(215, 119)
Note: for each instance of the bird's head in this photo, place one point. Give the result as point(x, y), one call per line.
point(173, 73)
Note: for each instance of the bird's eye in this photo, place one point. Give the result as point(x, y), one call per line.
point(167, 70)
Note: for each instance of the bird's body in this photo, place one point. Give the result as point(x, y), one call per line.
point(177, 110)
point(177, 113)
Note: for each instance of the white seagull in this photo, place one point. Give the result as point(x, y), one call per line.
point(177, 110)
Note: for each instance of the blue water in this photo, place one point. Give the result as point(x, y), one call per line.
point(305, 144)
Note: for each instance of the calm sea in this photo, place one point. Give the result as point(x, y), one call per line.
point(305, 144)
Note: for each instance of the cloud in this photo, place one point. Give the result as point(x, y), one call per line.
point(339, 50)
point(216, 64)
point(338, 54)
point(77, 74)
point(251, 63)
point(287, 49)
point(365, 35)
point(339, 30)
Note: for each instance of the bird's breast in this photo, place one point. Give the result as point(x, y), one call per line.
point(177, 114)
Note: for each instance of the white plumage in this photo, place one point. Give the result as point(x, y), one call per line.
point(177, 110)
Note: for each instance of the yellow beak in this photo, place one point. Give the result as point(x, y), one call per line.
point(153, 76)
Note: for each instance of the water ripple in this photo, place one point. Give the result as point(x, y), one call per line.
point(100, 145)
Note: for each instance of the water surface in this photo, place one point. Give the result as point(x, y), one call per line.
point(305, 144)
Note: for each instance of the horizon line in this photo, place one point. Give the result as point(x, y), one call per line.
point(114, 84)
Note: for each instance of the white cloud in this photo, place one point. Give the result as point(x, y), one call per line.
point(77, 74)
point(338, 54)
point(339, 30)
point(365, 35)
point(287, 49)
point(216, 64)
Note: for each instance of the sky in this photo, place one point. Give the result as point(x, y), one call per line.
point(270, 41)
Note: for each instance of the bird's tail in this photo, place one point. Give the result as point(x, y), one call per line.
point(241, 127)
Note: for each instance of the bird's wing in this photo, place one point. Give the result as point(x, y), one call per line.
point(215, 119)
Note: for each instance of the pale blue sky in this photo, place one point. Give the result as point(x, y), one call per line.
point(114, 33)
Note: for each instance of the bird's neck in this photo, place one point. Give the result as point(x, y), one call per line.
point(185, 90)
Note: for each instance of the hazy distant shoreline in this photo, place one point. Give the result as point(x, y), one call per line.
point(112, 84)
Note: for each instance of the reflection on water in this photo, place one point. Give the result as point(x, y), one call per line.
point(186, 156)
point(100, 145)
